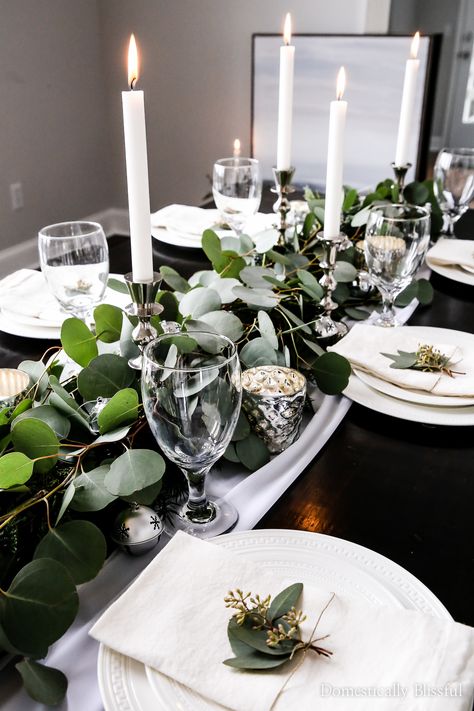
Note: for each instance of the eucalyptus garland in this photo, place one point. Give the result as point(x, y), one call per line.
point(64, 471)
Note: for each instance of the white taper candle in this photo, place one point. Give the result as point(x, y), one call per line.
point(133, 105)
point(285, 100)
point(405, 126)
point(335, 161)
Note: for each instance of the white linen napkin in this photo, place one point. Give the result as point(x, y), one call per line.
point(25, 296)
point(187, 220)
point(173, 619)
point(364, 344)
point(458, 252)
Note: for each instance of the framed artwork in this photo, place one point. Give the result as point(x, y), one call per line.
point(375, 69)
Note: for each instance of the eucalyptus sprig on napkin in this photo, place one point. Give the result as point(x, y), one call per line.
point(265, 634)
point(427, 359)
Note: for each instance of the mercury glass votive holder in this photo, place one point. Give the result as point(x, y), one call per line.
point(273, 399)
point(13, 386)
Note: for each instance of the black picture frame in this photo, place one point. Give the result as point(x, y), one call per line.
point(428, 96)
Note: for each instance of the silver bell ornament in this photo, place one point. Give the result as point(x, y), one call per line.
point(137, 529)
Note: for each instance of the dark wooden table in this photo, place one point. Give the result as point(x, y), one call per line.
point(403, 489)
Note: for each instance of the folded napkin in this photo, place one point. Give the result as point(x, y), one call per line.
point(173, 619)
point(364, 344)
point(187, 220)
point(25, 297)
point(26, 294)
point(459, 252)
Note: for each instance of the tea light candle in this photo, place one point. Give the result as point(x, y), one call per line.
point(13, 383)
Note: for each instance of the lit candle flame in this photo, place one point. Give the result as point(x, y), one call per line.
point(287, 29)
point(341, 83)
point(415, 43)
point(132, 62)
point(236, 148)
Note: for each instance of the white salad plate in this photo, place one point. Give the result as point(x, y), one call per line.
point(312, 558)
point(375, 395)
point(419, 397)
point(31, 327)
point(184, 239)
point(460, 274)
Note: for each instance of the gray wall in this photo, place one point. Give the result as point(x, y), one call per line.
point(53, 134)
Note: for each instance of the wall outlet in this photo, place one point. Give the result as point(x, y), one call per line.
point(16, 196)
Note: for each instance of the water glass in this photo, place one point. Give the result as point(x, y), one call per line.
point(237, 190)
point(396, 240)
point(74, 259)
point(453, 184)
point(192, 394)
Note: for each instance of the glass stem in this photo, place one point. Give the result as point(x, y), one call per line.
point(387, 317)
point(198, 508)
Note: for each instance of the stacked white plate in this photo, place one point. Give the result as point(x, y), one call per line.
point(418, 406)
point(315, 559)
point(461, 252)
point(28, 309)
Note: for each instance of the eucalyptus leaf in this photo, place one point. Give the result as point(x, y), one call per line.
point(295, 319)
point(15, 469)
point(39, 606)
point(361, 217)
point(37, 372)
point(267, 329)
point(78, 341)
point(49, 414)
point(108, 323)
point(425, 292)
point(122, 408)
point(311, 284)
point(242, 428)
point(67, 498)
point(113, 435)
point(44, 684)
point(36, 439)
point(406, 296)
point(258, 352)
point(211, 246)
point(199, 301)
point(104, 376)
point(174, 279)
point(230, 243)
point(332, 373)
point(230, 454)
point(349, 199)
point(145, 496)
point(263, 298)
point(314, 347)
point(79, 545)
point(255, 661)
point(344, 271)
point(252, 452)
point(356, 313)
point(402, 359)
point(117, 285)
point(90, 492)
point(224, 323)
point(134, 470)
point(266, 240)
point(278, 258)
point(254, 277)
point(416, 193)
point(170, 305)
point(257, 639)
point(61, 400)
point(225, 288)
point(284, 601)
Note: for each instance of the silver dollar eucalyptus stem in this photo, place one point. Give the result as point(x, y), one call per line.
point(282, 188)
point(143, 306)
point(325, 326)
point(400, 174)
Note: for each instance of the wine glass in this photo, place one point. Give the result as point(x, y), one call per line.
point(453, 184)
point(396, 240)
point(74, 259)
point(191, 395)
point(237, 190)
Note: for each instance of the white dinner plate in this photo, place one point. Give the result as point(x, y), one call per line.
point(375, 399)
point(452, 272)
point(415, 396)
point(312, 558)
point(185, 239)
point(29, 327)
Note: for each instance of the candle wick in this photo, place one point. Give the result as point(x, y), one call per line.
point(132, 83)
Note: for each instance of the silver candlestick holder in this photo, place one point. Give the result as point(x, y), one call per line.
point(143, 306)
point(325, 326)
point(400, 175)
point(282, 188)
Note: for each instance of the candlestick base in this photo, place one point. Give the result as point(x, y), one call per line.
point(400, 174)
point(143, 307)
point(325, 326)
point(282, 188)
